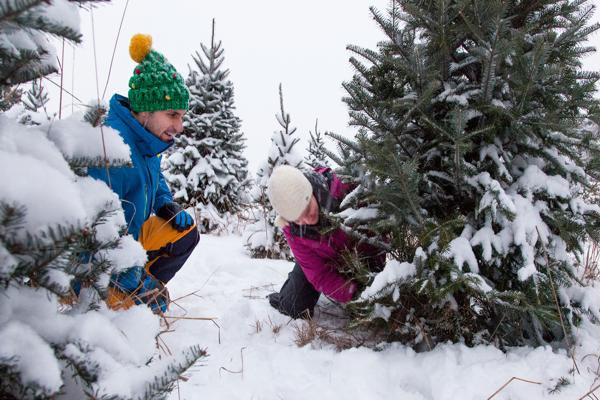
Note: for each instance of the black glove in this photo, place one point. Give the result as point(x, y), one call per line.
point(180, 220)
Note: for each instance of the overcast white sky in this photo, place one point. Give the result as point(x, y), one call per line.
point(301, 44)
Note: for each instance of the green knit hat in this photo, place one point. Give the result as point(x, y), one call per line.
point(155, 85)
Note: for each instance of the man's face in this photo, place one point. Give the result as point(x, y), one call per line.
point(162, 124)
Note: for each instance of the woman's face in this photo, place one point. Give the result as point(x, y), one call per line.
point(310, 215)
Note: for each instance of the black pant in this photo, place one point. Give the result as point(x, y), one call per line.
point(297, 297)
point(171, 257)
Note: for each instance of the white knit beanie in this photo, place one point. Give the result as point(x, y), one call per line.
point(289, 191)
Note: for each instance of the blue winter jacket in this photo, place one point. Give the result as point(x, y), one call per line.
point(141, 188)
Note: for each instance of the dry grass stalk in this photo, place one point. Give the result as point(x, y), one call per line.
point(190, 318)
point(162, 345)
point(591, 266)
point(514, 378)
point(260, 324)
point(308, 331)
point(257, 326)
point(165, 319)
point(590, 393)
point(194, 293)
point(595, 371)
point(591, 263)
point(241, 371)
point(269, 287)
point(275, 328)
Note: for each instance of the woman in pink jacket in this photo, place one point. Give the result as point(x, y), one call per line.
point(303, 200)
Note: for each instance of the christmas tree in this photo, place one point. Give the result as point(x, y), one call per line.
point(206, 167)
point(317, 156)
point(62, 233)
point(35, 112)
point(474, 151)
point(261, 236)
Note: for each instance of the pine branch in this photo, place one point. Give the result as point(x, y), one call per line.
point(10, 10)
point(489, 69)
point(162, 385)
point(346, 141)
point(334, 157)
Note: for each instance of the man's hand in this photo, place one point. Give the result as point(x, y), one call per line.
point(180, 219)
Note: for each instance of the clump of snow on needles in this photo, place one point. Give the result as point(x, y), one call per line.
point(393, 272)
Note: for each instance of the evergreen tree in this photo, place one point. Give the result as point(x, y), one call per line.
point(473, 150)
point(34, 103)
point(261, 236)
point(206, 166)
point(60, 230)
point(37, 97)
point(317, 156)
point(28, 54)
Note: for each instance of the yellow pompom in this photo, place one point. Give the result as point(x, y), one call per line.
point(140, 46)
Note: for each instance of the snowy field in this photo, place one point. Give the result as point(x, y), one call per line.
point(253, 354)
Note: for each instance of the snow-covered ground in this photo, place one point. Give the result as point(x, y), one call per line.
point(254, 355)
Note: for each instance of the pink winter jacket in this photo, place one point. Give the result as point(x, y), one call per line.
point(319, 255)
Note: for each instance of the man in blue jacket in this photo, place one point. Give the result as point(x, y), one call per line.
point(148, 120)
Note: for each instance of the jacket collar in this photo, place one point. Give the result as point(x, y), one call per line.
point(148, 144)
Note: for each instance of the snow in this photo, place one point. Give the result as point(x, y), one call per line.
point(34, 157)
point(536, 180)
point(20, 342)
point(114, 339)
point(8, 263)
point(580, 206)
point(528, 227)
point(461, 252)
point(491, 151)
point(351, 215)
point(88, 141)
point(63, 12)
point(589, 297)
point(486, 238)
point(393, 272)
point(36, 333)
point(495, 196)
point(480, 282)
point(28, 141)
point(129, 252)
point(232, 289)
point(61, 199)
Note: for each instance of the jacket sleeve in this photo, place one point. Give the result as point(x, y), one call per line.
point(163, 193)
point(321, 273)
